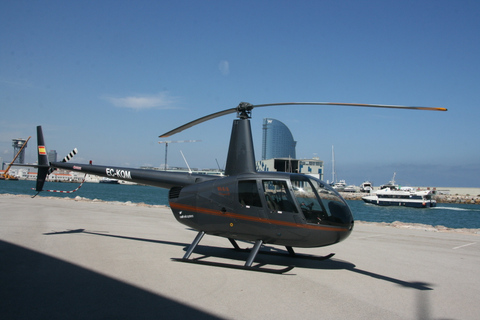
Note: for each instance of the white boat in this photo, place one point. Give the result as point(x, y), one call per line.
point(399, 197)
point(366, 187)
point(392, 195)
point(108, 180)
point(350, 188)
point(340, 186)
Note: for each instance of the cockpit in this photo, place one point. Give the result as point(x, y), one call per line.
point(318, 202)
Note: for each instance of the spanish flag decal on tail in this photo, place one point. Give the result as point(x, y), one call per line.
point(42, 150)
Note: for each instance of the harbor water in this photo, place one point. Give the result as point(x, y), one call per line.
point(450, 215)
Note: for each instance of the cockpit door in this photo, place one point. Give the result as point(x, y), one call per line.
point(250, 198)
point(280, 202)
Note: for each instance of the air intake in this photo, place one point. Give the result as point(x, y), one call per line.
point(174, 192)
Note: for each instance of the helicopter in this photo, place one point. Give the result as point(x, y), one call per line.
point(275, 208)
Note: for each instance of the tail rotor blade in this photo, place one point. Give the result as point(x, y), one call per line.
point(69, 156)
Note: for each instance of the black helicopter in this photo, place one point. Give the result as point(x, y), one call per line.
point(278, 208)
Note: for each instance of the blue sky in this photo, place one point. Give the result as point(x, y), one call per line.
point(109, 77)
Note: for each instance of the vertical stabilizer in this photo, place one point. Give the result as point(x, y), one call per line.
point(43, 164)
point(241, 156)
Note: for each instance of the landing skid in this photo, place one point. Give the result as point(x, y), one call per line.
point(235, 266)
point(290, 250)
point(253, 253)
point(304, 256)
point(248, 264)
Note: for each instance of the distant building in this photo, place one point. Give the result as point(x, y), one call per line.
point(52, 156)
point(278, 152)
point(277, 140)
point(312, 167)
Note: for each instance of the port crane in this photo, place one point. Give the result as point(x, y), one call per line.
point(5, 175)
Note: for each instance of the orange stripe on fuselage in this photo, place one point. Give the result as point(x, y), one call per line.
point(254, 219)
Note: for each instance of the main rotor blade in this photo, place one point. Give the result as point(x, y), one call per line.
point(348, 105)
point(246, 106)
point(200, 120)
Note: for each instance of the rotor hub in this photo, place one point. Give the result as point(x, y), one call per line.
point(244, 110)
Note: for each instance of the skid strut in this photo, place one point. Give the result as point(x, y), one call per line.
point(248, 264)
point(194, 244)
point(253, 253)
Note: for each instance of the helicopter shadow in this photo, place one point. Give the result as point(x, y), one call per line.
point(105, 234)
point(282, 258)
point(267, 256)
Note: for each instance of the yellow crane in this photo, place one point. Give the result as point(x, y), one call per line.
point(5, 175)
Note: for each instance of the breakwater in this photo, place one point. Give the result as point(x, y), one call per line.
point(440, 198)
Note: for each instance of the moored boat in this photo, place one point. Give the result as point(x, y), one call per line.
point(392, 195)
point(399, 197)
point(366, 187)
point(350, 188)
point(108, 180)
point(339, 186)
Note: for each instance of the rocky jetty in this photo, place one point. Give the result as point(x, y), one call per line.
point(447, 198)
point(441, 198)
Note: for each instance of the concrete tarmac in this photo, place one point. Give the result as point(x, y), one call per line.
point(67, 259)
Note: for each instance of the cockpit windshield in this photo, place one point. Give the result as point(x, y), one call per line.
point(320, 203)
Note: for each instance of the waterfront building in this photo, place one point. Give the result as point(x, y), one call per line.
point(277, 140)
point(312, 167)
point(279, 154)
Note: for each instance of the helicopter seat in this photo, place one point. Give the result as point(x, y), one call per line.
point(284, 203)
point(270, 202)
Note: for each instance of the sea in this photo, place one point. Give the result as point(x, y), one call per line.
point(445, 214)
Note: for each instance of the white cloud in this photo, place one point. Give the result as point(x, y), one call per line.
point(141, 102)
point(19, 83)
point(224, 67)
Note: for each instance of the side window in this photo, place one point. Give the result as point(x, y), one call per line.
point(248, 193)
point(278, 196)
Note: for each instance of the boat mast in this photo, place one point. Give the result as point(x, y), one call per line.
point(333, 166)
point(393, 179)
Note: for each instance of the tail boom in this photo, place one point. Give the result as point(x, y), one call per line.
point(154, 178)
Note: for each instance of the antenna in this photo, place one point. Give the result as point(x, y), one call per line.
point(176, 141)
